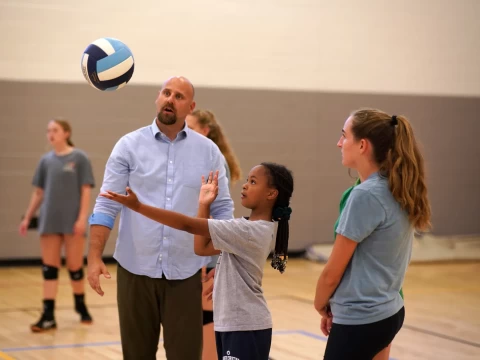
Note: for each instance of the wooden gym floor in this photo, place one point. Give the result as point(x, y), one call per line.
point(442, 315)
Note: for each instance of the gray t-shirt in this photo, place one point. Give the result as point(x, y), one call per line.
point(369, 289)
point(238, 301)
point(61, 178)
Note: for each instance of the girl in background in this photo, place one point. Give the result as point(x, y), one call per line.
point(62, 185)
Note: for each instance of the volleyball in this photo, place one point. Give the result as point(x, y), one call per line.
point(107, 64)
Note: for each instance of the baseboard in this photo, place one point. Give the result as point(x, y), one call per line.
point(293, 254)
point(426, 249)
point(107, 260)
point(38, 262)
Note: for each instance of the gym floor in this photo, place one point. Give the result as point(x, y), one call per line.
point(442, 315)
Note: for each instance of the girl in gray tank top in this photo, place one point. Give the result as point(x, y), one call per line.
point(62, 183)
point(243, 323)
point(358, 293)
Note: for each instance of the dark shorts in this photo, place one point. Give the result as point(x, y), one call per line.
point(207, 317)
point(362, 342)
point(208, 314)
point(244, 345)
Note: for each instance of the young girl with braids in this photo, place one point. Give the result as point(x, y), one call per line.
point(358, 293)
point(243, 323)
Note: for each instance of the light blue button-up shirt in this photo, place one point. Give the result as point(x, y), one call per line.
point(165, 174)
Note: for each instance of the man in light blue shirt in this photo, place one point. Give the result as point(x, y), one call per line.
point(158, 274)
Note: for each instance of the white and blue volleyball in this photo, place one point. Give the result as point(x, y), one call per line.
point(107, 64)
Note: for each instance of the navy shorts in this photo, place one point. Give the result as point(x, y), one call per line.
point(244, 345)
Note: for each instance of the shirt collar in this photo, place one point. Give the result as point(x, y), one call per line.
point(156, 132)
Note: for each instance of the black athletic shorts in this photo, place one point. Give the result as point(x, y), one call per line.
point(362, 342)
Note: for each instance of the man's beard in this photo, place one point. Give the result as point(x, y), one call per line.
point(167, 118)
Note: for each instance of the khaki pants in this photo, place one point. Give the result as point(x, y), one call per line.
point(145, 303)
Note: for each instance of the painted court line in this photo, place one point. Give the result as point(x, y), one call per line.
point(62, 346)
point(113, 343)
point(405, 326)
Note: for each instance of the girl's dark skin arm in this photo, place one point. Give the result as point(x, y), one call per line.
point(196, 226)
point(202, 245)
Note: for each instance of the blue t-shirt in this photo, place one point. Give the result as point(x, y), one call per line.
point(369, 289)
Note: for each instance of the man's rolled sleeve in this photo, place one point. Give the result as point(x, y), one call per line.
point(115, 179)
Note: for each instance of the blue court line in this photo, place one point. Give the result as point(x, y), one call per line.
point(63, 346)
point(112, 343)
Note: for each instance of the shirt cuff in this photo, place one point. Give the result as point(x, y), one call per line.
point(102, 219)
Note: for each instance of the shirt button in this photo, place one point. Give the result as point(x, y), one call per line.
point(168, 199)
point(164, 238)
point(171, 162)
point(169, 180)
point(160, 257)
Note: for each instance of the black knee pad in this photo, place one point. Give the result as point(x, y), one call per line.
point(76, 275)
point(49, 272)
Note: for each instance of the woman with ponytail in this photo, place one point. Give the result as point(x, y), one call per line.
point(62, 185)
point(358, 293)
point(385, 353)
point(242, 320)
